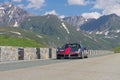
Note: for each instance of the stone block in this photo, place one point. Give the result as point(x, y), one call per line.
point(30, 54)
point(44, 53)
point(53, 52)
point(9, 53)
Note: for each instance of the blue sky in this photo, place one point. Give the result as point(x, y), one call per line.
point(86, 8)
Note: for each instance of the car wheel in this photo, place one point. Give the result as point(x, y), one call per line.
point(85, 56)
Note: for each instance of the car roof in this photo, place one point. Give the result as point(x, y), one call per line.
point(72, 44)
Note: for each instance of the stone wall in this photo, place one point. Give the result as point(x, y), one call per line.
point(99, 52)
point(16, 53)
point(8, 53)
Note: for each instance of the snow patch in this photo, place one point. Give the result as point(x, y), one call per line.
point(108, 37)
point(90, 32)
point(86, 19)
point(78, 29)
point(58, 38)
point(10, 5)
point(16, 24)
point(118, 31)
point(39, 36)
point(2, 8)
point(106, 33)
point(116, 36)
point(98, 32)
point(2, 11)
point(18, 33)
point(65, 28)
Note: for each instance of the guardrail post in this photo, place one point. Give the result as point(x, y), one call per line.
point(20, 53)
point(38, 53)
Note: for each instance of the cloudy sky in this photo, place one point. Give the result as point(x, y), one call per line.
point(86, 8)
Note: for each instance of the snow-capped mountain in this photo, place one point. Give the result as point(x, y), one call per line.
point(75, 21)
point(11, 15)
point(108, 25)
point(101, 32)
point(106, 22)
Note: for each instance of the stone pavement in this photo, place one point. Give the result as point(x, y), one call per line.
point(98, 68)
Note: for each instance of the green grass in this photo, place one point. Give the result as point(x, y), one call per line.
point(19, 42)
point(117, 50)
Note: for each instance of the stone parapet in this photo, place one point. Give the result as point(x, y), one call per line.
point(8, 53)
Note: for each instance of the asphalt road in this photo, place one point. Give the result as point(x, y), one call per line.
point(97, 68)
point(5, 66)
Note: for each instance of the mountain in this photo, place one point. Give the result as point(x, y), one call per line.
point(50, 29)
point(75, 21)
point(57, 29)
point(11, 15)
point(107, 22)
point(106, 28)
point(53, 31)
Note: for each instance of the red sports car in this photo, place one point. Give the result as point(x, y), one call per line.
point(71, 51)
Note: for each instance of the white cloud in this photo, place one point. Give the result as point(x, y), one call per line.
point(62, 16)
point(53, 12)
point(91, 15)
point(78, 2)
point(35, 4)
point(108, 6)
point(16, 0)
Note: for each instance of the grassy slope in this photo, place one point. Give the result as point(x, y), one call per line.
point(21, 42)
point(25, 39)
point(117, 49)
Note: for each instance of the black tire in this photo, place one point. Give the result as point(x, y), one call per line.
point(85, 56)
point(58, 58)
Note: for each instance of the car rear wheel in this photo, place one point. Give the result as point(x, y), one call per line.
point(85, 56)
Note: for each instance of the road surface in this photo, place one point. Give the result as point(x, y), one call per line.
point(97, 68)
point(5, 66)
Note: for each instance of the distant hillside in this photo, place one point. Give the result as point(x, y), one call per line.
point(18, 37)
point(107, 22)
point(52, 31)
point(60, 32)
point(75, 21)
point(106, 28)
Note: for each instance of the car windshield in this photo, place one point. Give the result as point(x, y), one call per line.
point(72, 46)
point(64, 46)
